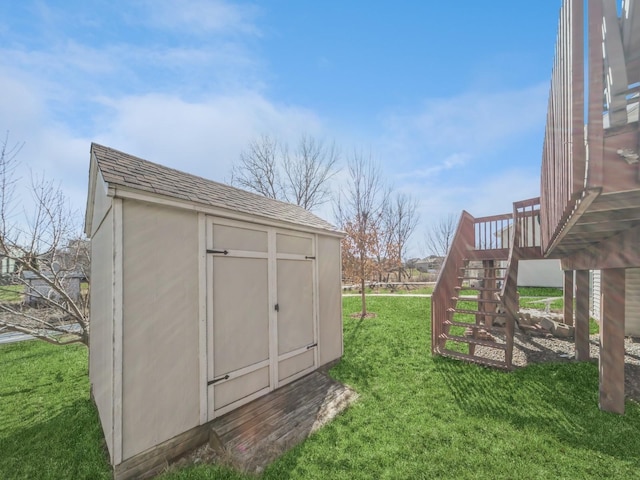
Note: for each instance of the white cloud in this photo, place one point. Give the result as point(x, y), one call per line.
point(206, 137)
point(202, 16)
point(429, 171)
point(466, 128)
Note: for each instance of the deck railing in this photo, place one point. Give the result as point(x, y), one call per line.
point(492, 233)
point(462, 242)
point(563, 158)
point(528, 231)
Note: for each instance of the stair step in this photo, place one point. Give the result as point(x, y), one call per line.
point(479, 289)
point(483, 268)
point(453, 323)
point(475, 312)
point(474, 341)
point(480, 278)
point(473, 359)
point(476, 299)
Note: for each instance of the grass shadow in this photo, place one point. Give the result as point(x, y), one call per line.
point(557, 399)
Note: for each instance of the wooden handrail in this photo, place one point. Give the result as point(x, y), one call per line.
point(509, 292)
point(463, 241)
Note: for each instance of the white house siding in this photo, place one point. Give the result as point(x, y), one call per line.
point(632, 307)
point(594, 300)
point(330, 299)
point(101, 338)
point(160, 325)
point(632, 300)
point(540, 273)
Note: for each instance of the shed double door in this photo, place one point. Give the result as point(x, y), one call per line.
point(261, 311)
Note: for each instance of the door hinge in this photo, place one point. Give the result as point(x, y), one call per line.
point(309, 258)
point(216, 380)
point(225, 252)
point(277, 307)
point(309, 347)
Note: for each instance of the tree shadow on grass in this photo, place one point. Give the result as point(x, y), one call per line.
point(558, 399)
point(354, 367)
point(68, 444)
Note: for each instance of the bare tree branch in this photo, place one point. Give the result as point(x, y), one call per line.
point(301, 176)
point(402, 223)
point(438, 239)
point(258, 168)
point(359, 212)
point(308, 172)
point(49, 258)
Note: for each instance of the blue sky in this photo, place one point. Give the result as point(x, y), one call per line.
point(449, 97)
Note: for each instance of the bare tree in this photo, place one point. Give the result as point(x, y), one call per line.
point(308, 172)
point(439, 238)
point(403, 218)
point(359, 212)
point(47, 258)
point(301, 176)
point(258, 168)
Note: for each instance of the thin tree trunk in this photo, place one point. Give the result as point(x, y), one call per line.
point(364, 298)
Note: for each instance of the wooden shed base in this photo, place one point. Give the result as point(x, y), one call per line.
point(254, 435)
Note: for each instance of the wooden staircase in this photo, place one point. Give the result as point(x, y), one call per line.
point(475, 301)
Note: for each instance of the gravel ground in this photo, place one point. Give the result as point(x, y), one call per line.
point(529, 349)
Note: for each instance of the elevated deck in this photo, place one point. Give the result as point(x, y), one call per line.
point(590, 191)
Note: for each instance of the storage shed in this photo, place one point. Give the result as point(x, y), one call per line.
point(203, 298)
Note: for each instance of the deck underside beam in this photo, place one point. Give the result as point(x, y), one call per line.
point(619, 251)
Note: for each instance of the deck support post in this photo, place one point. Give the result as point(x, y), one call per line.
point(568, 297)
point(582, 315)
point(611, 365)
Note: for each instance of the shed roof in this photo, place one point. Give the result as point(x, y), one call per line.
point(124, 170)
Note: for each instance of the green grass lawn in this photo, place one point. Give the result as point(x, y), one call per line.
point(417, 416)
point(11, 293)
point(48, 426)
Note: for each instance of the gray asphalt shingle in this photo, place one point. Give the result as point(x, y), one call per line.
point(121, 169)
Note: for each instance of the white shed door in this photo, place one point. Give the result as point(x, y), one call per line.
point(297, 345)
point(238, 307)
point(261, 311)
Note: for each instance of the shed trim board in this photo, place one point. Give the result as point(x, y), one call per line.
point(202, 314)
point(273, 319)
point(118, 284)
point(266, 257)
point(316, 306)
point(121, 192)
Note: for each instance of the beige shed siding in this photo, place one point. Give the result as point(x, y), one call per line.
point(329, 299)
point(101, 338)
point(632, 307)
point(101, 203)
point(160, 333)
